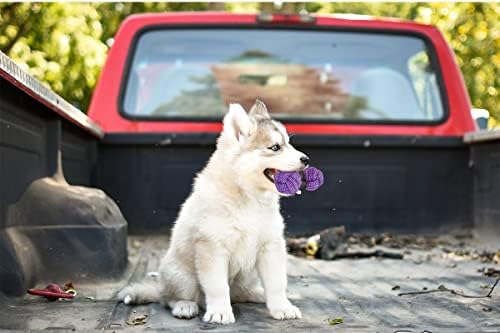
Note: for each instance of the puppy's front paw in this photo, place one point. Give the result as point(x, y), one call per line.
point(219, 316)
point(285, 311)
point(185, 309)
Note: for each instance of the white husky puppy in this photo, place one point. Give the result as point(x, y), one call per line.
point(228, 239)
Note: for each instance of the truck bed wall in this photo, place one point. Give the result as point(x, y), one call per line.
point(50, 228)
point(28, 146)
point(401, 184)
point(485, 157)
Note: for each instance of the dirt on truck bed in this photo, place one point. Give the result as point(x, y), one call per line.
point(345, 295)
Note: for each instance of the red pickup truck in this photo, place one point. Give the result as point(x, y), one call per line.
point(378, 104)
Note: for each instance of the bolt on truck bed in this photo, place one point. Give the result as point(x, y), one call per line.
point(74, 190)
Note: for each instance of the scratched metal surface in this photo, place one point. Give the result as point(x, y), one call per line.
point(359, 291)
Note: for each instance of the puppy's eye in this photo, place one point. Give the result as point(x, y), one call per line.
point(275, 147)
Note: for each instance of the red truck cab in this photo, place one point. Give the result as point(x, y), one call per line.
point(327, 75)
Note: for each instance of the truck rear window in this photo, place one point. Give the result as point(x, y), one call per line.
point(300, 74)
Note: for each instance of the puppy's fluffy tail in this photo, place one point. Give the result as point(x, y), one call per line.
point(146, 291)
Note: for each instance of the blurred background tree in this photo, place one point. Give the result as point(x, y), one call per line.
point(65, 44)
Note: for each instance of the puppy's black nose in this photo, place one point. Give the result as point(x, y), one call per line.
point(305, 160)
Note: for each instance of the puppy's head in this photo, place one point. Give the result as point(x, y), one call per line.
point(257, 146)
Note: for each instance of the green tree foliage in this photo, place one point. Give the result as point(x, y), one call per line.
point(58, 43)
point(65, 44)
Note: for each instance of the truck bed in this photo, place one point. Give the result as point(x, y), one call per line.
point(64, 184)
point(360, 291)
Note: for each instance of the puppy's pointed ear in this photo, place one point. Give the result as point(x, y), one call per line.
point(259, 109)
point(236, 122)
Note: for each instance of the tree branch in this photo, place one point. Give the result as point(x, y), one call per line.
point(452, 291)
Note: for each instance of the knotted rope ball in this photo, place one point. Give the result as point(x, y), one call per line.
point(290, 182)
point(287, 182)
point(314, 178)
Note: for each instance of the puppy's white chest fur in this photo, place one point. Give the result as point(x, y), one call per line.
point(255, 225)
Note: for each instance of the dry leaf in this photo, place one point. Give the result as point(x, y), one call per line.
point(137, 320)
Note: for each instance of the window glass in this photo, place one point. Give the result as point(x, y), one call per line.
point(311, 74)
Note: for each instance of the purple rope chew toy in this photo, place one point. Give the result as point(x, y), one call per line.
point(289, 182)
